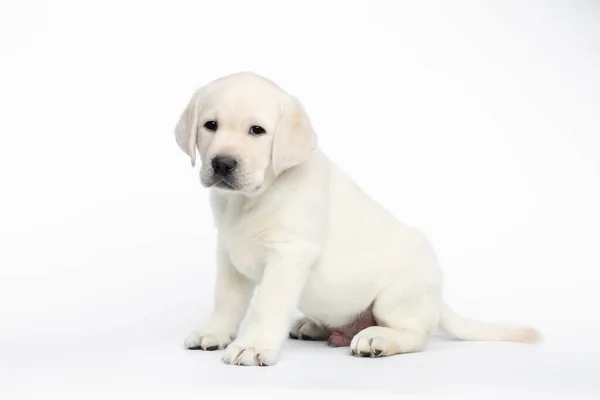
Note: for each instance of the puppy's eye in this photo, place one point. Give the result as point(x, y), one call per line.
point(211, 125)
point(257, 130)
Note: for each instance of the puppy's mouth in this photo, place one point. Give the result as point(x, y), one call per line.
point(229, 184)
point(224, 184)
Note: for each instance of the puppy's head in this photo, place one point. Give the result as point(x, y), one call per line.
point(246, 130)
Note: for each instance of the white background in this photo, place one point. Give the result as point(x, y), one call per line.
point(478, 122)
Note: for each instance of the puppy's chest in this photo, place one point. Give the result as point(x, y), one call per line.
point(245, 235)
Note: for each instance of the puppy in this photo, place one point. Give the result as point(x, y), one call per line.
point(291, 222)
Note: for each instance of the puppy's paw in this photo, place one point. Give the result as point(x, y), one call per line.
point(236, 354)
point(305, 329)
point(209, 341)
point(368, 346)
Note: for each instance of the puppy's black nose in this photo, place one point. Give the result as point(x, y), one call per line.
point(223, 165)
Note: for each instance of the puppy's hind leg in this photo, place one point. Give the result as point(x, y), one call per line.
point(306, 329)
point(405, 324)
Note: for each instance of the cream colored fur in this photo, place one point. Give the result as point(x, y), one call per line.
point(298, 228)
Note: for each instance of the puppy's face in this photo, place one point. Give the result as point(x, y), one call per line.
point(236, 127)
point(246, 130)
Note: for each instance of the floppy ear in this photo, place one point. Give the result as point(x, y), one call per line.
point(294, 138)
point(186, 130)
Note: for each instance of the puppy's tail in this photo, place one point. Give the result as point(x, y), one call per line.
point(468, 329)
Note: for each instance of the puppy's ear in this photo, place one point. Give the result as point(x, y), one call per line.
point(294, 138)
point(186, 130)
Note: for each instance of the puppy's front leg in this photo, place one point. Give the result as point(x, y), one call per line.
point(277, 297)
point(233, 292)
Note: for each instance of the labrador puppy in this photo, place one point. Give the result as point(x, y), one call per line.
point(292, 223)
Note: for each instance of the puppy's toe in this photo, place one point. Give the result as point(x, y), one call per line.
point(378, 346)
point(364, 346)
point(249, 356)
point(193, 341)
point(207, 341)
